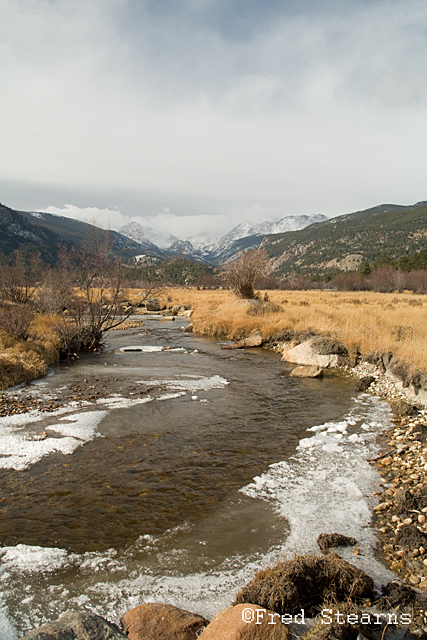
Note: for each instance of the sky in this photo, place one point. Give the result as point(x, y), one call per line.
point(195, 115)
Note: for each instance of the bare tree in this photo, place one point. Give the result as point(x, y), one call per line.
point(18, 278)
point(243, 273)
point(98, 301)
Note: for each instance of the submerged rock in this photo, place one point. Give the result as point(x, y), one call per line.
point(154, 621)
point(77, 625)
point(306, 372)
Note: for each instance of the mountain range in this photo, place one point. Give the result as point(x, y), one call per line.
point(210, 250)
point(342, 243)
point(303, 245)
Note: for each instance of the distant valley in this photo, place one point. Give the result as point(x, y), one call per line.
point(306, 245)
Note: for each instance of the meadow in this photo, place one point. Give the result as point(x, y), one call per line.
point(364, 321)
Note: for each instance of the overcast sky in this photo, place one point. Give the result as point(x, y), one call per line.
point(197, 114)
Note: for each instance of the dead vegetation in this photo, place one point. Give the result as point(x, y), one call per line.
point(365, 322)
point(306, 582)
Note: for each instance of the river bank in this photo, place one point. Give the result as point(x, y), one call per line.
point(272, 483)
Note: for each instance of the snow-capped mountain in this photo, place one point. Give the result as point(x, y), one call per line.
point(246, 229)
point(138, 233)
point(205, 247)
point(248, 235)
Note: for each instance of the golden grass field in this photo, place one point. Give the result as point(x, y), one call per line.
point(368, 321)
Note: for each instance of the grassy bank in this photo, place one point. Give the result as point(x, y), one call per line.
point(21, 361)
point(366, 321)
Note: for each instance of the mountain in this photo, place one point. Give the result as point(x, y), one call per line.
point(248, 235)
point(141, 234)
point(342, 243)
point(209, 249)
point(46, 233)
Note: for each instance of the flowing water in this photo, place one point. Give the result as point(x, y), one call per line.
point(194, 467)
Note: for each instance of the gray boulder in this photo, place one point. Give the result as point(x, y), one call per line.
point(77, 625)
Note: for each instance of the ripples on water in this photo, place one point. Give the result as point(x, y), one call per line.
point(170, 495)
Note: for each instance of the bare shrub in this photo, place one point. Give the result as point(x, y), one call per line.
point(416, 281)
point(244, 272)
point(18, 278)
point(16, 319)
point(55, 291)
point(264, 309)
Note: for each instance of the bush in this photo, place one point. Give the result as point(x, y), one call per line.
point(16, 320)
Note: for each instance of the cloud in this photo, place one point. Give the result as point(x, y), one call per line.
point(297, 107)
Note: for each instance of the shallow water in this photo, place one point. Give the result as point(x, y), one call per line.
point(195, 469)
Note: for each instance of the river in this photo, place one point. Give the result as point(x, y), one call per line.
point(171, 475)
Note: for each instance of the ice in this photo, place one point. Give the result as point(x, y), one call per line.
point(32, 558)
point(82, 425)
point(202, 383)
point(19, 450)
point(327, 485)
point(144, 348)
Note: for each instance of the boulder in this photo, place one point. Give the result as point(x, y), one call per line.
point(254, 340)
point(305, 353)
point(306, 371)
point(155, 621)
point(152, 305)
point(242, 622)
point(364, 383)
point(187, 313)
point(77, 625)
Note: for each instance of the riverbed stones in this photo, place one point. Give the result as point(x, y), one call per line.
point(155, 621)
point(306, 372)
point(246, 622)
point(77, 625)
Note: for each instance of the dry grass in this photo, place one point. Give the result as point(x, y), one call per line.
point(366, 321)
point(23, 361)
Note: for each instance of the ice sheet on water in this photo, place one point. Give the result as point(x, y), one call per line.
point(327, 485)
point(25, 557)
point(18, 449)
point(190, 384)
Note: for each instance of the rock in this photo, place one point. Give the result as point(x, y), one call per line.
point(306, 372)
point(152, 305)
point(77, 625)
point(327, 347)
point(241, 622)
point(304, 353)
point(187, 313)
point(189, 329)
point(153, 621)
point(364, 383)
point(328, 540)
point(254, 340)
point(176, 309)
